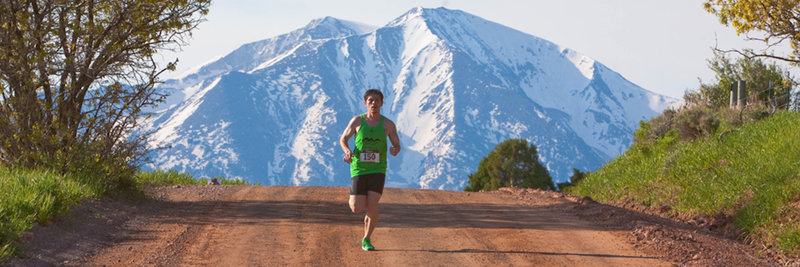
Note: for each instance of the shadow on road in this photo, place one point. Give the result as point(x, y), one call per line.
point(520, 252)
point(467, 215)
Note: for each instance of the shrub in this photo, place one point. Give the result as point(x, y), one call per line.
point(655, 128)
point(577, 176)
point(694, 122)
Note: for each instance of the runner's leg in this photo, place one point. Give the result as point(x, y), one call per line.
point(372, 213)
point(358, 194)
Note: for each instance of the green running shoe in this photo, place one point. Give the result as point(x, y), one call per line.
point(366, 245)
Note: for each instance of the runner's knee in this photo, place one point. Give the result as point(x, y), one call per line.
point(353, 208)
point(356, 209)
point(356, 204)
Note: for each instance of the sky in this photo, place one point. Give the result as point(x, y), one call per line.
point(659, 45)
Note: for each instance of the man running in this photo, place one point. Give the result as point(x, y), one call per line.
point(368, 160)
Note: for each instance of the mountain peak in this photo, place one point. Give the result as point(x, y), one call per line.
point(424, 14)
point(408, 16)
point(328, 27)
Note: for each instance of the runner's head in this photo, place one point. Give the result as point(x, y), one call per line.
point(373, 100)
point(375, 92)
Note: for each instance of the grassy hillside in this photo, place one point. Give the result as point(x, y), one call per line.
point(33, 197)
point(750, 173)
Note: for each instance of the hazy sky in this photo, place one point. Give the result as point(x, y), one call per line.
point(660, 45)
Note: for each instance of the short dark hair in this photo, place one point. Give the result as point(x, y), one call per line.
point(373, 92)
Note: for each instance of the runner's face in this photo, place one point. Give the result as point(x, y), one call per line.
point(373, 104)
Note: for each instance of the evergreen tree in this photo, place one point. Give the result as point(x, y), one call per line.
point(513, 163)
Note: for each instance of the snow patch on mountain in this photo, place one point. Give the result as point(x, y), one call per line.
point(167, 132)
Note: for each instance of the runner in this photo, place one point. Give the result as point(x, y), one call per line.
point(368, 160)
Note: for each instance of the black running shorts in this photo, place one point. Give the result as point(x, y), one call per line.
point(359, 185)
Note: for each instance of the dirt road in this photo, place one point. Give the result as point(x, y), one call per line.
point(280, 226)
point(312, 226)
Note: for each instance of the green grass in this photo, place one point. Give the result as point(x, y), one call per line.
point(174, 177)
point(31, 197)
point(751, 173)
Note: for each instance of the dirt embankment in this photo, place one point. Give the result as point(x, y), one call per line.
point(274, 226)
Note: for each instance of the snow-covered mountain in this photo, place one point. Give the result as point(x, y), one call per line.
point(455, 84)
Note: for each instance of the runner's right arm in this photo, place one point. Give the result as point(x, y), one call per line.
point(349, 131)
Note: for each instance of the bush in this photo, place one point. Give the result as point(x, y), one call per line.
point(656, 128)
point(694, 122)
point(577, 176)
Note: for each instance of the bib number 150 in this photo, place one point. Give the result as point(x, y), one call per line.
point(370, 156)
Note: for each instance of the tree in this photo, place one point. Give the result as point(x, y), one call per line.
point(513, 163)
point(760, 77)
point(75, 77)
point(773, 21)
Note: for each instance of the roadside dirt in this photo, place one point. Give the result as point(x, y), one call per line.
point(274, 226)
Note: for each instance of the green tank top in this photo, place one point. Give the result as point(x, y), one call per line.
point(369, 155)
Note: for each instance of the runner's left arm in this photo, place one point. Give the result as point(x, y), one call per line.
point(391, 131)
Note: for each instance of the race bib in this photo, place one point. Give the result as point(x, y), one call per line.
point(370, 156)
